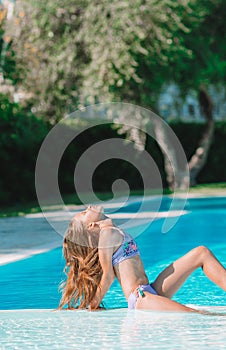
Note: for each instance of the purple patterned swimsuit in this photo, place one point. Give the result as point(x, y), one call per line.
point(139, 291)
point(127, 250)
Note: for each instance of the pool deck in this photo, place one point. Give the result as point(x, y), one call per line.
point(22, 237)
point(32, 234)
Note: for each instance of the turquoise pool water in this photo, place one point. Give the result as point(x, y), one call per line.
point(31, 285)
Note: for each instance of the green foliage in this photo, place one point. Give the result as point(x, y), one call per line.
point(20, 138)
point(50, 54)
point(110, 170)
point(22, 134)
point(189, 134)
point(72, 53)
point(7, 56)
point(214, 170)
point(207, 44)
point(129, 44)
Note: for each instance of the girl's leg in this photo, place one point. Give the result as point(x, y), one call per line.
point(159, 303)
point(172, 278)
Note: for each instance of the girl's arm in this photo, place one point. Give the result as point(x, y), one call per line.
point(107, 242)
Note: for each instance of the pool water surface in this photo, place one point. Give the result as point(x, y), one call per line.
point(111, 329)
point(29, 293)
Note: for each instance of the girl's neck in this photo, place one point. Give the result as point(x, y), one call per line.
point(105, 223)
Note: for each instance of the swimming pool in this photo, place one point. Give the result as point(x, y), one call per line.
point(32, 285)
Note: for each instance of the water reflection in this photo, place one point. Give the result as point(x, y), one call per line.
point(111, 329)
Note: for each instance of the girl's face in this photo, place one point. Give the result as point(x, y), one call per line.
point(93, 213)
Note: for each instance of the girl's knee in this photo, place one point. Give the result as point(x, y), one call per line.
point(202, 252)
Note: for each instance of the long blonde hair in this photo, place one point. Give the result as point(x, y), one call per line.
point(82, 268)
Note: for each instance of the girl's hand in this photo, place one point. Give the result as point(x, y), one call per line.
point(94, 304)
point(99, 308)
point(105, 223)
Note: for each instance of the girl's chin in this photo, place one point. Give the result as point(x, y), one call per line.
point(98, 208)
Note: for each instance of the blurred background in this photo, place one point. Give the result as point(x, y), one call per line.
point(60, 56)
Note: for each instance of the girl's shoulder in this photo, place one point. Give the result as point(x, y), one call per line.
point(111, 236)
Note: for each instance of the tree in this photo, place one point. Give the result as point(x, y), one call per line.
point(208, 65)
point(50, 54)
point(8, 73)
point(77, 53)
point(167, 49)
point(204, 64)
point(198, 159)
point(74, 53)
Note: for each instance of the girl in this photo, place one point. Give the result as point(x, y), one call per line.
point(96, 252)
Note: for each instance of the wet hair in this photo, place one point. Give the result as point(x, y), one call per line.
point(83, 268)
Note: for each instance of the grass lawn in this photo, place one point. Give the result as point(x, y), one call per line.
point(213, 189)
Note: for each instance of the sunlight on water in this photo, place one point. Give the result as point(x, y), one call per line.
point(112, 329)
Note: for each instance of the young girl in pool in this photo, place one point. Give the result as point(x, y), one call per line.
point(96, 252)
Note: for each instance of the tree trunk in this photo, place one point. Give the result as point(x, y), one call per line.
point(199, 158)
point(177, 176)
